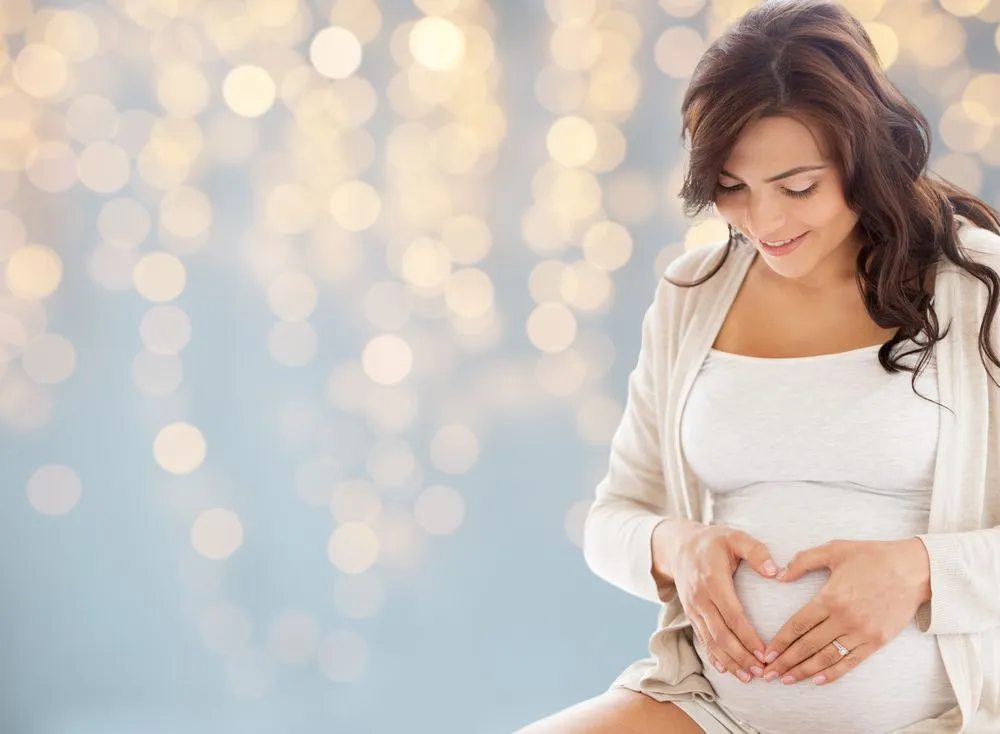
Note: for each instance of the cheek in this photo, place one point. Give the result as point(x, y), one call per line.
point(824, 211)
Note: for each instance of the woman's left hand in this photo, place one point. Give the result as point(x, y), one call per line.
point(874, 590)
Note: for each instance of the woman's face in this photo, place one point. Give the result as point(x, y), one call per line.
point(777, 185)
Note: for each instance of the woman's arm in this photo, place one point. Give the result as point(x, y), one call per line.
point(631, 498)
point(965, 582)
point(965, 566)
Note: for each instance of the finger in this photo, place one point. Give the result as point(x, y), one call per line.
point(723, 636)
point(855, 657)
point(801, 622)
point(736, 619)
point(814, 642)
point(715, 654)
point(699, 628)
point(755, 553)
point(720, 660)
point(846, 663)
point(826, 657)
point(725, 664)
point(808, 560)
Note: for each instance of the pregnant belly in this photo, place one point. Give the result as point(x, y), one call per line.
point(903, 682)
point(900, 684)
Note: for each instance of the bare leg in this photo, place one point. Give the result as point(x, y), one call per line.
point(618, 711)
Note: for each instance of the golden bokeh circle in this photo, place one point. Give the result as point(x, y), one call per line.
point(179, 448)
point(33, 271)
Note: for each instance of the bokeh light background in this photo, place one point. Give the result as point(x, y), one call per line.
point(315, 325)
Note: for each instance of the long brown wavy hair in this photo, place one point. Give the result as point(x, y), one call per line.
point(813, 61)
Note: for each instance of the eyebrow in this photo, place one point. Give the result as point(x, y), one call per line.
point(786, 174)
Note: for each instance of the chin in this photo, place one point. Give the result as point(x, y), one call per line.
point(792, 267)
point(790, 274)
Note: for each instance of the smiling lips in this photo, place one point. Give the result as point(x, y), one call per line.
point(779, 243)
point(783, 247)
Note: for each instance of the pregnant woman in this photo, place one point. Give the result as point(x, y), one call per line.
point(807, 473)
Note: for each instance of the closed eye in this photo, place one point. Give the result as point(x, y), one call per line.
point(798, 194)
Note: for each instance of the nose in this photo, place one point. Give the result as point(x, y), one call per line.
point(764, 218)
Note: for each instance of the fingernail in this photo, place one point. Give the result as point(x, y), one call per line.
point(782, 572)
point(720, 667)
point(771, 677)
point(819, 680)
point(757, 670)
point(771, 657)
point(788, 680)
point(759, 655)
point(743, 676)
point(769, 568)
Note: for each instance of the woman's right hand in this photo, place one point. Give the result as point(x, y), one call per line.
point(703, 559)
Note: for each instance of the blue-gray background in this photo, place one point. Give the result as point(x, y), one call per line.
point(456, 598)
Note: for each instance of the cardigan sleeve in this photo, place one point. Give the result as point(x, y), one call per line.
point(965, 582)
point(965, 565)
point(631, 498)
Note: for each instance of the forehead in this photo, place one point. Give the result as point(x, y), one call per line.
point(771, 145)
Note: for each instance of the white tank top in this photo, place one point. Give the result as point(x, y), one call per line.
point(797, 452)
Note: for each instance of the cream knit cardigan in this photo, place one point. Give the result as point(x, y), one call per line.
point(648, 479)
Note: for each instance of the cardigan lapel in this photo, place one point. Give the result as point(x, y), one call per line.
point(708, 310)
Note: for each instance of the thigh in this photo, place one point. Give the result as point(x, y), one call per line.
point(618, 711)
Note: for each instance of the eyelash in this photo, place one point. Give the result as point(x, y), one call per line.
point(794, 194)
